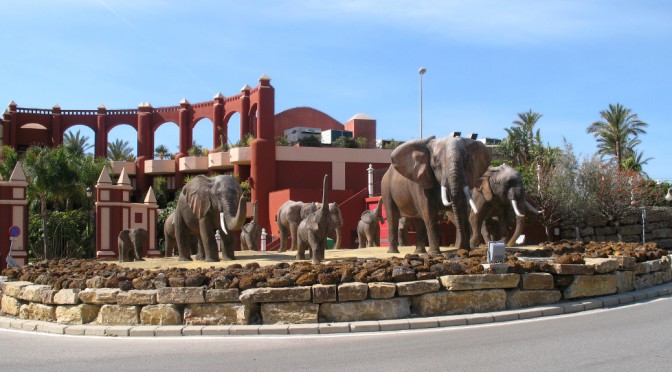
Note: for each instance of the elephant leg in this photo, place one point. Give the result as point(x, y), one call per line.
point(292, 231)
point(183, 237)
point(420, 237)
point(392, 228)
point(282, 231)
point(520, 224)
point(300, 249)
point(208, 241)
point(376, 238)
point(362, 238)
point(318, 251)
point(475, 223)
point(227, 246)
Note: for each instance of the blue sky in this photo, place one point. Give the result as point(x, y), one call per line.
point(486, 61)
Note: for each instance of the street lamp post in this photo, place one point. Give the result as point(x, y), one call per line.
point(421, 72)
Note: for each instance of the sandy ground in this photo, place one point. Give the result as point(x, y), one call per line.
point(271, 258)
point(266, 258)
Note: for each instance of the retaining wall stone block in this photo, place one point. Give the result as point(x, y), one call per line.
point(393, 308)
point(517, 298)
point(219, 313)
point(13, 288)
point(161, 314)
point(10, 305)
point(460, 302)
point(99, 296)
point(382, 290)
point(222, 295)
point(289, 294)
point(76, 314)
point(322, 293)
point(591, 285)
point(137, 297)
point(536, 281)
point(572, 269)
point(67, 297)
point(119, 315)
point(479, 281)
point(418, 287)
point(625, 262)
point(625, 281)
point(37, 311)
point(352, 292)
point(180, 295)
point(289, 313)
point(603, 265)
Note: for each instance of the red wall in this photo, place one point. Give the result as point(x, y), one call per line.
point(304, 117)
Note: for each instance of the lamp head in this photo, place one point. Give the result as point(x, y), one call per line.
point(422, 70)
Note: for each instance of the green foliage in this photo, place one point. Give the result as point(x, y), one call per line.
point(522, 142)
point(75, 143)
point(247, 189)
point(8, 159)
point(70, 234)
point(344, 142)
point(245, 141)
point(282, 141)
point(362, 142)
point(160, 187)
point(310, 141)
point(393, 144)
point(617, 133)
point(195, 150)
point(223, 147)
point(161, 221)
point(161, 152)
point(120, 150)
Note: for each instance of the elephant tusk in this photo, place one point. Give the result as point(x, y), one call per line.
point(221, 222)
point(515, 209)
point(472, 203)
point(531, 208)
point(444, 196)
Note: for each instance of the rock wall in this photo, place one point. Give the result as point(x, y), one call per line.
point(657, 227)
point(447, 295)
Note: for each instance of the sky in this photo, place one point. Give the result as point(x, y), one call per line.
point(486, 61)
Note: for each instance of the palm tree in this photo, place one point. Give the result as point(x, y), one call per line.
point(634, 162)
point(76, 143)
point(521, 138)
point(617, 133)
point(162, 152)
point(120, 150)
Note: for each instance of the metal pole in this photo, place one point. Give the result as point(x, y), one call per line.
point(421, 72)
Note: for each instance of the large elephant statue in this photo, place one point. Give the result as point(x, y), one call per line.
point(129, 244)
point(288, 218)
point(368, 227)
point(205, 205)
point(171, 242)
point(249, 235)
point(427, 176)
point(499, 194)
point(312, 231)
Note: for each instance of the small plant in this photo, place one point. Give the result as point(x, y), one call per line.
point(245, 141)
point(222, 148)
point(282, 141)
point(247, 189)
point(310, 141)
point(344, 142)
point(393, 144)
point(195, 149)
point(161, 152)
point(362, 142)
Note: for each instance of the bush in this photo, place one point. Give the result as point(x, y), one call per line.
point(344, 142)
point(161, 221)
point(282, 141)
point(70, 235)
point(195, 150)
point(393, 144)
point(310, 141)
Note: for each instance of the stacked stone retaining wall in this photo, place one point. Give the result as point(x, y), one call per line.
point(447, 295)
point(657, 228)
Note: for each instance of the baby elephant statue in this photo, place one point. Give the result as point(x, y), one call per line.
point(368, 228)
point(130, 244)
point(312, 231)
point(250, 233)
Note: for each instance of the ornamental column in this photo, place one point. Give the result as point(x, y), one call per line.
point(217, 122)
point(56, 138)
point(184, 124)
point(100, 149)
point(262, 168)
point(14, 212)
point(10, 128)
point(145, 150)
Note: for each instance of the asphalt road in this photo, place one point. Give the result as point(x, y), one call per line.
point(634, 337)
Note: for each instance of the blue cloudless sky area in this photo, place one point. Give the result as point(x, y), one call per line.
point(486, 61)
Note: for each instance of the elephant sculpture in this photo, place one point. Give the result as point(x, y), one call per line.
point(312, 231)
point(404, 227)
point(500, 195)
point(427, 176)
point(129, 244)
point(171, 242)
point(368, 227)
point(335, 223)
point(249, 235)
point(205, 205)
point(288, 218)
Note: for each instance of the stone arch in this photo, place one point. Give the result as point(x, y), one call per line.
point(166, 130)
point(232, 127)
point(87, 131)
point(202, 132)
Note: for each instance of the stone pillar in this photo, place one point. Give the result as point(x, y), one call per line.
point(218, 119)
point(100, 149)
point(238, 169)
point(113, 208)
point(262, 153)
point(145, 150)
point(56, 138)
point(185, 139)
point(152, 214)
point(14, 212)
point(10, 128)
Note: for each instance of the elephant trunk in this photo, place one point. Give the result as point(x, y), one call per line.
point(520, 224)
point(236, 222)
point(325, 195)
point(457, 184)
point(531, 208)
point(254, 213)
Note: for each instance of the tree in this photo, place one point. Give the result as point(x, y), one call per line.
point(76, 143)
point(634, 162)
point(195, 149)
point(617, 132)
point(49, 174)
point(161, 152)
point(522, 139)
point(8, 159)
point(120, 150)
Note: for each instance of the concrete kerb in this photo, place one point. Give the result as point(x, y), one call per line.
point(580, 305)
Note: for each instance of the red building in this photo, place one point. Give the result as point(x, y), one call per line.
point(275, 173)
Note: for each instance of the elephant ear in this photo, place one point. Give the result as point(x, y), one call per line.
point(478, 161)
point(485, 188)
point(412, 160)
point(199, 195)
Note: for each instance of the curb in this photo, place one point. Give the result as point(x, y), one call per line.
point(340, 327)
